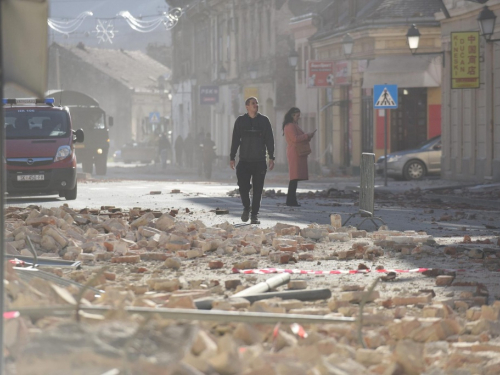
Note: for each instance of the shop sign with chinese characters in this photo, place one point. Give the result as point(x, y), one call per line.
point(465, 60)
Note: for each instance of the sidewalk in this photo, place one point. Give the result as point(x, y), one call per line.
point(279, 179)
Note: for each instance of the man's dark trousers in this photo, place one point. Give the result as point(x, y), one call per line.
point(256, 171)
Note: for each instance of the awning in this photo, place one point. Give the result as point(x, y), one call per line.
point(404, 71)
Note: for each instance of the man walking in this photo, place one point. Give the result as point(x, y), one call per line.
point(252, 134)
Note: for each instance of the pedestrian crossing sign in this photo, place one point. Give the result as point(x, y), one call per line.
point(385, 96)
point(154, 117)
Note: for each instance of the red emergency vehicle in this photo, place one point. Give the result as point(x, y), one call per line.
point(40, 154)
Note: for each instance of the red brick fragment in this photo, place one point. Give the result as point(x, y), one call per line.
point(215, 264)
point(450, 250)
point(126, 259)
point(307, 246)
point(109, 246)
point(111, 276)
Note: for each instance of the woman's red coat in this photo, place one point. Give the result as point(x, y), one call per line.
point(297, 165)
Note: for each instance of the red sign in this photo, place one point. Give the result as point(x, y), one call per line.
point(320, 73)
point(343, 73)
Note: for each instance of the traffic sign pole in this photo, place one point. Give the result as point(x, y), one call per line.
point(386, 111)
point(385, 97)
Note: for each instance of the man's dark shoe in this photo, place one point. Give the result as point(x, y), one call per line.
point(255, 219)
point(245, 215)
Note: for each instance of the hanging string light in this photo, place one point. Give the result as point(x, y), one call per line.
point(68, 27)
point(169, 20)
point(105, 29)
point(140, 25)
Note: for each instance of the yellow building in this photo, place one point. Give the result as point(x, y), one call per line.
point(471, 116)
point(376, 30)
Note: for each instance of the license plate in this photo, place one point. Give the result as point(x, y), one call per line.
point(30, 177)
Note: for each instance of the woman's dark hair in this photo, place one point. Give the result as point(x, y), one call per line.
point(288, 117)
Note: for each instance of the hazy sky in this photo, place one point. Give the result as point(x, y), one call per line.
point(124, 36)
point(105, 8)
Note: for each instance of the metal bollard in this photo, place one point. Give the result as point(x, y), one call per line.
point(367, 187)
point(367, 190)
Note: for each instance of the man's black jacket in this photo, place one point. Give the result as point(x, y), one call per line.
point(252, 136)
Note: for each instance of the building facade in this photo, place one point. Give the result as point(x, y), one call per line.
point(471, 117)
point(304, 27)
point(224, 52)
point(232, 50)
point(348, 124)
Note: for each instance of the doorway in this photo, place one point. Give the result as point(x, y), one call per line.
point(409, 120)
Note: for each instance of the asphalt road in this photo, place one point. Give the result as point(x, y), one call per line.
point(149, 187)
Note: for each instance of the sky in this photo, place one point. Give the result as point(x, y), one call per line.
point(124, 36)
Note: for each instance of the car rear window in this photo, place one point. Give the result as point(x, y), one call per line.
point(24, 123)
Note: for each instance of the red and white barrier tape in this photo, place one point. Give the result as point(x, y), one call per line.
point(265, 271)
point(20, 263)
point(10, 314)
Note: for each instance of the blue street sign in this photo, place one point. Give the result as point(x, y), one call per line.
point(385, 96)
point(154, 117)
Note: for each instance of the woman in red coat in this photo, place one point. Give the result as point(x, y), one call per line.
point(297, 164)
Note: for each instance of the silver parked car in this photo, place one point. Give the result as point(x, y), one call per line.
point(413, 164)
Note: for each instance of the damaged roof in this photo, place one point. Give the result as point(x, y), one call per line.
point(406, 8)
point(133, 69)
point(336, 14)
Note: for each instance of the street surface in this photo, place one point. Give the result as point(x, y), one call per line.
point(445, 233)
point(401, 208)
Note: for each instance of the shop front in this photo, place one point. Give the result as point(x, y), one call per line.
point(418, 116)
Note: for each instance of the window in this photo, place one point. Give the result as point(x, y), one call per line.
point(268, 29)
point(306, 57)
point(244, 35)
point(300, 64)
point(219, 41)
point(32, 123)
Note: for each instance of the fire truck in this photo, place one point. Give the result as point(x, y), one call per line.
point(89, 116)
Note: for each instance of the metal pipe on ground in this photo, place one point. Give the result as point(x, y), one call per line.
point(189, 315)
point(301, 295)
point(265, 286)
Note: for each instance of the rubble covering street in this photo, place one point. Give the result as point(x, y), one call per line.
point(435, 309)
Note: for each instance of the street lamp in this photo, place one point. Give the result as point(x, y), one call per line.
point(222, 73)
point(486, 20)
point(413, 36)
point(347, 44)
point(293, 58)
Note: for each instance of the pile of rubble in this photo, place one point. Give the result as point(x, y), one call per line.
point(130, 309)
